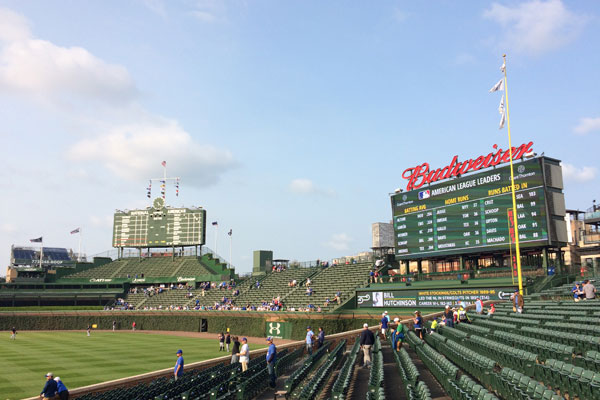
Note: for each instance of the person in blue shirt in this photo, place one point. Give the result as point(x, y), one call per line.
point(320, 337)
point(384, 325)
point(50, 388)
point(63, 392)
point(178, 371)
point(418, 325)
point(271, 359)
point(309, 340)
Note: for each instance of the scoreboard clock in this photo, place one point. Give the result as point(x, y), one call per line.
point(159, 226)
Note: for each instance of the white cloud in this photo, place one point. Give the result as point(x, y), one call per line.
point(576, 174)
point(13, 26)
point(135, 151)
point(307, 187)
point(122, 136)
point(536, 26)
point(339, 242)
point(587, 125)
point(209, 10)
point(464, 59)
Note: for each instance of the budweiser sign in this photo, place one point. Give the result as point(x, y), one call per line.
point(422, 174)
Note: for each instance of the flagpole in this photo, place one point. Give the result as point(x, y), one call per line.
point(512, 185)
point(230, 240)
point(216, 239)
point(41, 250)
point(79, 253)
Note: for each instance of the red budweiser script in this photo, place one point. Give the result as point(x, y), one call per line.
point(421, 174)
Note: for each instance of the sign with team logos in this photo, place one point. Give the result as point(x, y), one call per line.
point(279, 330)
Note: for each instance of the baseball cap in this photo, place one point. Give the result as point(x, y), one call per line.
point(57, 378)
point(365, 325)
point(308, 327)
point(49, 374)
point(385, 312)
point(244, 339)
point(415, 312)
point(179, 351)
point(269, 339)
point(447, 306)
point(396, 319)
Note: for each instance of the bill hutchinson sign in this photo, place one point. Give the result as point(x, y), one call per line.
point(429, 298)
point(422, 174)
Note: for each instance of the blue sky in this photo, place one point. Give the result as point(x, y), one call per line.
point(290, 122)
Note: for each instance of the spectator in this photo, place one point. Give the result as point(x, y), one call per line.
point(271, 358)
point(448, 314)
point(257, 284)
point(462, 315)
point(479, 306)
point(327, 301)
point(178, 370)
point(589, 290)
point(235, 351)
point(418, 324)
point(372, 276)
point(227, 341)
point(244, 355)
point(308, 282)
point(383, 325)
point(434, 325)
point(309, 340)
point(338, 297)
point(367, 340)
point(50, 388)
point(492, 309)
point(320, 337)
point(63, 392)
point(221, 341)
point(309, 291)
point(518, 302)
point(578, 292)
point(398, 335)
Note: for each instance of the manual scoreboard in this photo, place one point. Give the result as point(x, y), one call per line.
point(159, 226)
point(471, 213)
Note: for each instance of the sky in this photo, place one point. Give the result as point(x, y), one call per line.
point(290, 122)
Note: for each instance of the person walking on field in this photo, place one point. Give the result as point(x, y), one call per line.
point(89, 329)
point(114, 325)
point(63, 392)
point(133, 326)
point(178, 370)
point(235, 351)
point(244, 355)
point(50, 388)
point(309, 340)
point(367, 340)
point(221, 341)
point(227, 341)
point(13, 334)
point(271, 358)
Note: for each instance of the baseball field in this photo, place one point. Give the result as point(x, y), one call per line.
point(80, 360)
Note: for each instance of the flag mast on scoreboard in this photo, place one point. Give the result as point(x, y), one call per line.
point(504, 115)
point(163, 183)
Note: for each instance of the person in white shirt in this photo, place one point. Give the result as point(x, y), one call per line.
point(244, 354)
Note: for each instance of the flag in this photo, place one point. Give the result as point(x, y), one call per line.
point(37, 240)
point(230, 232)
point(502, 113)
point(503, 67)
point(75, 231)
point(164, 163)
point(498, 86)
point(215, 223)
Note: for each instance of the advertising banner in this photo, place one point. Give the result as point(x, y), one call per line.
point(279, 330)
point(429, 297)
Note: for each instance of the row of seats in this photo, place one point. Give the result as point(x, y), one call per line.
point(543, 348)
point(302, 372)
point(574, 380)
point(511, 384)
point(312, 388)
point(341, 385)
point(376, 371)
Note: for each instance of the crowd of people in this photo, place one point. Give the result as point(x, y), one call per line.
point(584, 291)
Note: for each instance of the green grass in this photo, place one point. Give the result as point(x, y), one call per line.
point(80, 360)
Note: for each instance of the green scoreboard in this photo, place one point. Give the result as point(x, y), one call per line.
point(471, 213)
point(159, 226)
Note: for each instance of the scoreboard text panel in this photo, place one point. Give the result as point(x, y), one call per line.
point(164, 227)
point(470, 214)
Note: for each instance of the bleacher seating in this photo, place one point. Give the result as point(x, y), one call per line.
point(347, 277)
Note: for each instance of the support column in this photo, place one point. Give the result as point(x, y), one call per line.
point(545, 259)
point(461, 263)
point(420, 266)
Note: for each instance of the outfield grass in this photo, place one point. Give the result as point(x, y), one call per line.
point(80, 360)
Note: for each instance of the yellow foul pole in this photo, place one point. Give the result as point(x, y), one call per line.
point(512, 185)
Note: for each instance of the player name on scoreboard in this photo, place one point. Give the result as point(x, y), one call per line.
point(471, 213)
point(160, 226)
